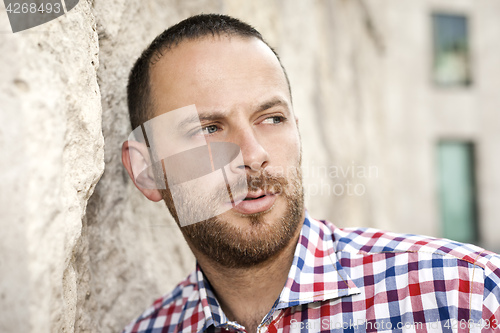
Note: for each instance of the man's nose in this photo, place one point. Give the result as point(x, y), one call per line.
point(255, 156)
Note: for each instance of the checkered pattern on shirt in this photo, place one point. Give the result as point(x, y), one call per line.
point(355, 280)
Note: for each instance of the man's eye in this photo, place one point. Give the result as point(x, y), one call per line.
point(209, 129)
point(274, 120)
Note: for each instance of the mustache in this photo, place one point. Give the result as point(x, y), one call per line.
point(269, 184)
point(195, 205)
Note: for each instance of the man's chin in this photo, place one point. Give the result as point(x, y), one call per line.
point(236, 240)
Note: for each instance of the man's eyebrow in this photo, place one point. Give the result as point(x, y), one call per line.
point(197, 119)
point(215, 115)
point(272, 103)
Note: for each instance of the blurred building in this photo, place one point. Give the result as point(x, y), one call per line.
point(442, 120)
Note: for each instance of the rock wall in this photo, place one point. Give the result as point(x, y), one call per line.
point(52, 146)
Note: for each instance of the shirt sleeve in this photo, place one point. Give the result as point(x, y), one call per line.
point(491, 298)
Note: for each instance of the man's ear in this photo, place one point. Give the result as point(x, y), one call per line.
point(135, 158)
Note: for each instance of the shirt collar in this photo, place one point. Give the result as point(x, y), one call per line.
point(211, 308)
point(315, 275)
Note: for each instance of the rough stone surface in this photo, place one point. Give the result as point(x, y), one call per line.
point(53, 144)
point(83, 251)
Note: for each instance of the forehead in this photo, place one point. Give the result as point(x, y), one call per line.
point(217, 72)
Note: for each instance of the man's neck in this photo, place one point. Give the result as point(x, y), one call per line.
point(246, 295)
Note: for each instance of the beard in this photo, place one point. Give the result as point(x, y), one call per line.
point(231, 246)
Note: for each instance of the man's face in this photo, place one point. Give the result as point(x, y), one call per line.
point(242, 97)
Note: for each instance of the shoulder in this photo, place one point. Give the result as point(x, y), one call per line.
point(443, 261)
point(167, 310)
point(365, 241)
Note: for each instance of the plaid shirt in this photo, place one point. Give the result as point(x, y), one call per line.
point(355, 280)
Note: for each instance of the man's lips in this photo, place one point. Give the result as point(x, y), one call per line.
point(256, 202)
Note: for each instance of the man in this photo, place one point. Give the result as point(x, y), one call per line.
point(263, 263)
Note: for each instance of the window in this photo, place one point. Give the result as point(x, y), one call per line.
point(451, 66)
point(457, 191)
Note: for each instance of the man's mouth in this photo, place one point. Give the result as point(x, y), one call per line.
point(249, 199)
point(255, 195)
point(256, 202)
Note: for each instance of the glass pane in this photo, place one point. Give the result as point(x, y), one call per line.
point(451, 50)
point(457, 191)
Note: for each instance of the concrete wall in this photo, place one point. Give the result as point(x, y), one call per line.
point(83, 251)
point(419, 114)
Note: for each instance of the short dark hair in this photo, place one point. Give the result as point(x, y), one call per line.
point(138, 89)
